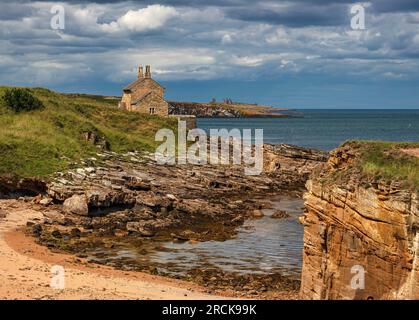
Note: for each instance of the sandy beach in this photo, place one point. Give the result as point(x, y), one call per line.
point(25, 270)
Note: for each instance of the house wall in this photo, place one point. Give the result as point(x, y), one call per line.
point(126, 101)
point(145, 86)
point(153, 100)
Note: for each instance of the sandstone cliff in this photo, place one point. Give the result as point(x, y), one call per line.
point(357, 221)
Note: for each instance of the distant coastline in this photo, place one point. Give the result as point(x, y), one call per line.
point(226, 110)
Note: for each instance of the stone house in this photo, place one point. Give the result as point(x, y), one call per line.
point(144, 95)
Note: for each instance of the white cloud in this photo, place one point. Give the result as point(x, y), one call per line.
point(226, 39)
point(107, 41)
point(149, 18)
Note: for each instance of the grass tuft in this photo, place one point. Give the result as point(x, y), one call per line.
point(388, 161)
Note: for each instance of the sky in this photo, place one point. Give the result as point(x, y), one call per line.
point(292, 54)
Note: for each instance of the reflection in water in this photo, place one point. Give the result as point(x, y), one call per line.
point(261, 246)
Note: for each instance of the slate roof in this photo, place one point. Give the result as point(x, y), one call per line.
point(134, 83)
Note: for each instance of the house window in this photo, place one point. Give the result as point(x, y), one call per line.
point(152, 110)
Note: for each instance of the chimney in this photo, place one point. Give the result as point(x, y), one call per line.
point(140, 72)
point(147, 72)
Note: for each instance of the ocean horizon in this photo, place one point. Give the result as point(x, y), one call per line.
point(326, 129)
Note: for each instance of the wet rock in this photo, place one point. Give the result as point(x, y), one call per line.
point(56, 234)
point(36, 229)
point(37, 199)
point(86, 223)
point(75, 233)
point(54, 217)
point(148, 199)
point(238, 219)
point(184, 235)
point(77, 204)
point(280, 214)
point(46, 201)
point(139, 185)
point(139, 228)
point(30, 223)
point(171, 197)
point(257, 213)
point(120, 233)
point(100, 198)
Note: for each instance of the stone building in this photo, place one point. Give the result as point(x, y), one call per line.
point(144, 95)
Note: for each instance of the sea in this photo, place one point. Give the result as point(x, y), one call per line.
point(327, 129)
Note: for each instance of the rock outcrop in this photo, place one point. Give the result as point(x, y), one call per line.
point(202, 110)
point(116, 194)
point(361, 235)
point(10, 185)
point(291, 165)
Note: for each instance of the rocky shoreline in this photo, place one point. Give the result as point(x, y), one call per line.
point(224, 110)
point(115, 200)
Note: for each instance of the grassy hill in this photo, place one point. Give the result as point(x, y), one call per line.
point(40, 142)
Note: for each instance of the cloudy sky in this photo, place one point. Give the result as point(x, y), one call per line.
point(294, 54)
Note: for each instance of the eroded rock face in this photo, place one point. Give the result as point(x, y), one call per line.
point(355, 226)
point(291, 165)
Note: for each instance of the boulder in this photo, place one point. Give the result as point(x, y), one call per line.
point(102, 198)
point(280, 214)
point(77, 204)
point(46, 201)
point(257, 213)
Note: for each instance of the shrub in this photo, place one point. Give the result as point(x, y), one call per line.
point(20, 99)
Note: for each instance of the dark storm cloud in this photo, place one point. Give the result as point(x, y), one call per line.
point(297, 15)
point(12, 11)
point(206, 39)
point(390, 6)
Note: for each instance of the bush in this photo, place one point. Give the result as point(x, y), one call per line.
point(21, 100)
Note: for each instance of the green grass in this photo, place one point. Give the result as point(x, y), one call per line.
point(385, 160)
point(40, 142)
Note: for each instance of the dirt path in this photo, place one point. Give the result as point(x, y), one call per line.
point(25, 269)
